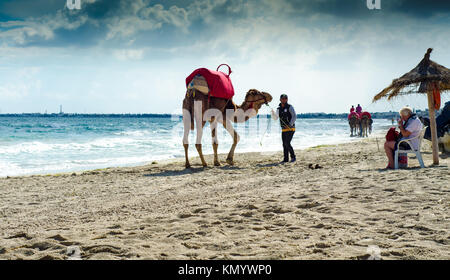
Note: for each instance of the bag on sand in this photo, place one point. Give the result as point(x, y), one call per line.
point(392, 135)
point(199, 83)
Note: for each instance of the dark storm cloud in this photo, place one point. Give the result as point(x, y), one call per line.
point(421, 8)
point(358, 8)
point(114, 23)
point(29, 8)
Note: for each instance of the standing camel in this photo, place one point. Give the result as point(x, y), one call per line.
point(201, 108)
point(366, 124)
point(354, 123)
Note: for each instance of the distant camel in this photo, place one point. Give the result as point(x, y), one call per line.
point(366, 124)
point(215, 110)
point(354, 123)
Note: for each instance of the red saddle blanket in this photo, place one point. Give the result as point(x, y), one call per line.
point(353, 114)
point(219, 83)
point(366, 114)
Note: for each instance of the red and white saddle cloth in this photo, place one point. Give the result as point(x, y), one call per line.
point(213, 83)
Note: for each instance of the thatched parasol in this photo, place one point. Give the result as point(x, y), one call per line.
point(428, 76)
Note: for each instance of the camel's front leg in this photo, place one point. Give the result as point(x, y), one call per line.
point(200, 123)
point(229, 127)
point(215, 141)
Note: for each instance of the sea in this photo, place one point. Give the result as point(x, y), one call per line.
point(48, 144)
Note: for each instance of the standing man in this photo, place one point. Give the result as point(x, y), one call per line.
point(286, 114)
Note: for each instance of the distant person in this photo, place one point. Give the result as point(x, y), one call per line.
point(358, 109)
point(410, 126)
point(286, 114)
point(352, 109)
point(442, 121)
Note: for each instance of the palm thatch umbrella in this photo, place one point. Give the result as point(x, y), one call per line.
point(428, 77)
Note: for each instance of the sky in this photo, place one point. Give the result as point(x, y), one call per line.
point(132, 56)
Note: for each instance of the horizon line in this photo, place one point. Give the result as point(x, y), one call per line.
point(171, 114)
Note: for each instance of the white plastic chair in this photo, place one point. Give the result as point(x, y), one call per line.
point(411, 151)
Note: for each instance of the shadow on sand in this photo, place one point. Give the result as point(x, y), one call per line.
point(270, 164)
point(177, 172)
point(408, 168)
point(192, 170)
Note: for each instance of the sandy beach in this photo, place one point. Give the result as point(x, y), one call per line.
point(258, 209)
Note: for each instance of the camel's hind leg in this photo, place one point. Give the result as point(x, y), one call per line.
point(366, 128)
point(215, 141)
point(187, 127)
point(229, 127)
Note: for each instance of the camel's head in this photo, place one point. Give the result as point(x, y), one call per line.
point(255, 99)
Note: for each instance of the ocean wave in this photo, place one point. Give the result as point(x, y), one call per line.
point(133, 143)
point(36, 147)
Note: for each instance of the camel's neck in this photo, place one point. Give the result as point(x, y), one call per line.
point(244, 112)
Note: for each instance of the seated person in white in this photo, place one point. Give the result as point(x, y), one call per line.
point(410, 126)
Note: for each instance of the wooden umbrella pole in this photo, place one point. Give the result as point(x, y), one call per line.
point(434, 139)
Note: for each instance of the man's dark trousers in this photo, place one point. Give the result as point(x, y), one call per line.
point(287, 148)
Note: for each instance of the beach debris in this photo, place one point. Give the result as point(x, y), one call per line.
point(316, 166)
point(374, 252)
point(73, 253)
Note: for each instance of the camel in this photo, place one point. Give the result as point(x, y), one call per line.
point(217, 110)
point(354, 123)
point(366, 125)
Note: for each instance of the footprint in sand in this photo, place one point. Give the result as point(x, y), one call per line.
point(20, 235)
point(276, 210)
point(200, 210)
point(44, 245)
point(308, 205)
point(184, 215)
point(58, 238)
point(96, 249)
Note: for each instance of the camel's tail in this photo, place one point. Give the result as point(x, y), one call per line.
point(189, 106)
